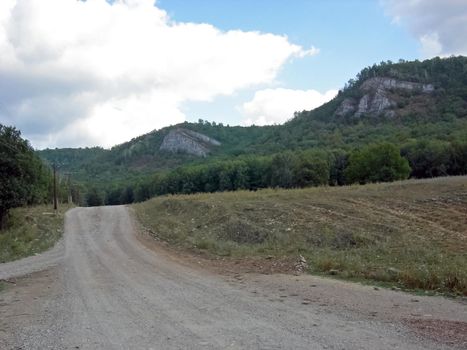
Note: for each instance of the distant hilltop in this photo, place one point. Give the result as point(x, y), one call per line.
point(381, 95)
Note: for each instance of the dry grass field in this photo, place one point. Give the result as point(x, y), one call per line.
point(410, 234)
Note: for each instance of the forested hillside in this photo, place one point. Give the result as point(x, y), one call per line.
point(417, 108)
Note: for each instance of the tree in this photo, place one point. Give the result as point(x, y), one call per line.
point(143, 192)
point(240, 181)
point(311, 169)
point(282, 170)
point(112, 196)
point(23, 177)
point(377, 163)
point(339, 160)
point(225, 178)
point(94, 197)
point(428, 158)
point(127, 196)
point(458, 164)
point(258, 173)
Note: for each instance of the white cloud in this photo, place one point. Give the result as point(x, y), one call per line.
point(310, 52)
point(440, 26)
point(89, 72)
point(431, 46)
point(275, 106)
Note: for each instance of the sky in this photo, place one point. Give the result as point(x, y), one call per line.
point(100, 72)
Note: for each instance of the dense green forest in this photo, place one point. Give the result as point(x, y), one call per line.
point(380, 162)
point(24, 179)
point(429, 132)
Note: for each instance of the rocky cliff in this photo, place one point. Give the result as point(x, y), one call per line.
point(188, 141)
point(379, 96)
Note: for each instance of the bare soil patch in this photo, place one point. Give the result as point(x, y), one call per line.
point(443, 331)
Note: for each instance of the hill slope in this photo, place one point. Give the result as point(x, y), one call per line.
point(401, 103)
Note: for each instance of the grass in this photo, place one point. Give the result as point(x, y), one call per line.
point(30, 230)
point(410, 234)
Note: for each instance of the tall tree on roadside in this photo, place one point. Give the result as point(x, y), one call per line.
point(23, 177)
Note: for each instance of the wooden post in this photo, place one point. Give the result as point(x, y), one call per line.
point(55, 186)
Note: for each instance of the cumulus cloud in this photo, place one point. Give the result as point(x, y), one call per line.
point(275, 106)
point(91, 72)
point(440, 26)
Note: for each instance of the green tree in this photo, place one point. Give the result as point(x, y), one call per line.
point(94, 197)
point(23, 177)
point(428, 158)
point(258, 171)
point(225, 178)
point(143, 192)
point(127, 196)
point(112, 196)
point(240, 181)
point(339, 160)
point(458, 164)
point(377, 163)
point(311, 169)
point(282, 170)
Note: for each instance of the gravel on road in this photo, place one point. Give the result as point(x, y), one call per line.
point(102, 288)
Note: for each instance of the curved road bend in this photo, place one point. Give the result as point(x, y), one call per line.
point(111, 292)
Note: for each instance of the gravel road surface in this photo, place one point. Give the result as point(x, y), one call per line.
point(104, 289)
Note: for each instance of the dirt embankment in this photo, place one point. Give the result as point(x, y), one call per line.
point(410, 234)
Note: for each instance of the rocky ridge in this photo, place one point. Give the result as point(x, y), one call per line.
point(188, 141)
point(377, 97)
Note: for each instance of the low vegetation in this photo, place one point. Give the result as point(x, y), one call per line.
point(30, 230)
point(411, 234)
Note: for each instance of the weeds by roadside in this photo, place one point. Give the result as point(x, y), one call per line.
point(30, 230)
point(411, 234)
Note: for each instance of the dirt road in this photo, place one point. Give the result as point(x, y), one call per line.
point(104, 289)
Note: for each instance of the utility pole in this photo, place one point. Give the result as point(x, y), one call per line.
point(70, 198)
point(55, 186)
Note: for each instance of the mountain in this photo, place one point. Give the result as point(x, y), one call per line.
point(403, 103)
